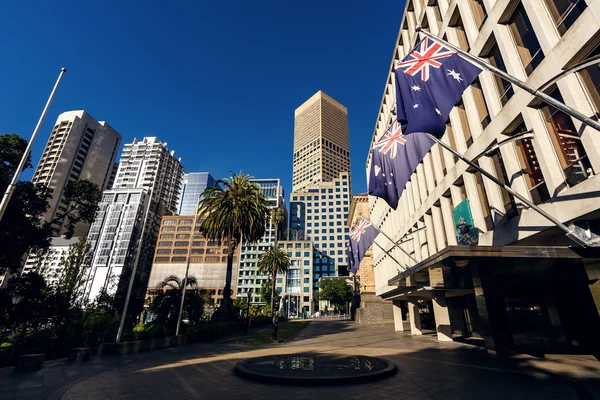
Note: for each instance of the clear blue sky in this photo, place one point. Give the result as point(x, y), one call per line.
point(217, 80)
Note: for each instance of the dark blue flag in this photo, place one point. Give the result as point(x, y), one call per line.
point(362, 237)
point(429, 82)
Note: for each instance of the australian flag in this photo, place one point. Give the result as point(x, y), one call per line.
point(362, 237)
point(429, 82)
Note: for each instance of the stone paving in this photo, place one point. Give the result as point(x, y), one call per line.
point(427, 369)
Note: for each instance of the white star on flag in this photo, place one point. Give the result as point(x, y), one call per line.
point(415, 88)
point(416, 105)
point(438, 111)
point(377, 170)
point(455, 75)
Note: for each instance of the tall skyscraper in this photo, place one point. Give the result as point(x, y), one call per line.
point(321, 183)
point(194, 184)
point(249, 278)
point(147, 172)
point(79, 147)
point(321, 144)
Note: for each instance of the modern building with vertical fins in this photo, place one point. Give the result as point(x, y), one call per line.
point(518, 283)
point(321, 144)
point(79, 147)
point(146, 188)
point(250, 278)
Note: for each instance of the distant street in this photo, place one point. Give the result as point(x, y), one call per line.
point(428, 369)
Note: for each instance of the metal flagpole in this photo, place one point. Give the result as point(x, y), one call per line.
point(528, 88)
point(187, 270)
point(11, 187)
point(395, 244)
point(525, 200)
point(135, 264)
point(389, 254)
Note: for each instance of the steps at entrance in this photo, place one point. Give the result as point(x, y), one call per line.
point(374, 311)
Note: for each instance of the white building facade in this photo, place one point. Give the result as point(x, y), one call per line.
point(79, 147)
point(50, 265)
point(146, 187)
point(533, 41)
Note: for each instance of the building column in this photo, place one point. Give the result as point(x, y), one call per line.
point(442, 316)
point(415, 319)
point(398, 320)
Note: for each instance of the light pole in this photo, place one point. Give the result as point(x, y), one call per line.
point(247, 313)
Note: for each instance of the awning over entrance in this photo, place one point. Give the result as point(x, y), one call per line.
point(460, 256)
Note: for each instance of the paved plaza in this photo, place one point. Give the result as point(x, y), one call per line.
point(427, 369)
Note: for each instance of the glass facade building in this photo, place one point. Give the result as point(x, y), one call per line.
point(194, 185)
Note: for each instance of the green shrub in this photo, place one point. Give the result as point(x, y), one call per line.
point(210, 330)
point(150, 331)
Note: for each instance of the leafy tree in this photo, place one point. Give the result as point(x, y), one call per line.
point(337, 291)
point(21, 228)
point(82, 198)
point(165, 304)
point(266, 289)
point(273, 261)
point(236, 209)
point(74, 272)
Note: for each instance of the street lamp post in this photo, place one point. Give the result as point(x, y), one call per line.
point(247, 325)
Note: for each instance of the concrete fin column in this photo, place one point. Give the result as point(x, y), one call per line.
point(398, 321)
point(442, 316)
point(415, 319)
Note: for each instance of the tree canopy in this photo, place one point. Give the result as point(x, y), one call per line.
point(337, 291)
point(236, 209)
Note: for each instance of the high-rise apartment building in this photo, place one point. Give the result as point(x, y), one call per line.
point(321, 144)
point(79, 147)
point(50, 264)
point(249, 278)
point(520, 284)
point(146, 188)
point(194, 185)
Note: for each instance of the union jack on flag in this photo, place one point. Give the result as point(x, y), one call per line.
point(391, 139)
point(425, 57)
point(360, 229)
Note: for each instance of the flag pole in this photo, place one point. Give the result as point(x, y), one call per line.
point(395, 244)
point(570, 234)
point(391, 256)
point(528, 88)
point(13, 184)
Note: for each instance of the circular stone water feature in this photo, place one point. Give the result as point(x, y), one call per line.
point(319, 369)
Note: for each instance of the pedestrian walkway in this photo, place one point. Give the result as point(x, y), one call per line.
point(427, 369)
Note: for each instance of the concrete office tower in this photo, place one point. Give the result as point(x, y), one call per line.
point(194, 184)
point(147, 172)
point(320, 213)
point(321, 144)
point(249, 279)
point(519, 287)
point(79, 147)
point(296, 286)
point(208, 258)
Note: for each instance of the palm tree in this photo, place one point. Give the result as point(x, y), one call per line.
point(276, 218)
point(237, 210)
point(165, 304)
point(273, 261)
